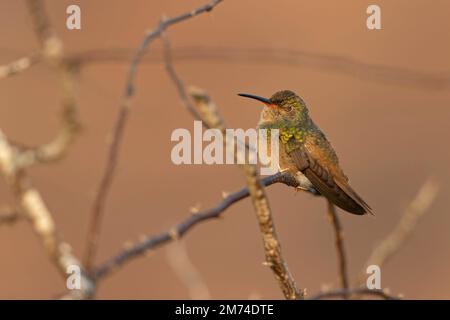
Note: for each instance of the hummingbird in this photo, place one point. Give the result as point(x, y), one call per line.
point(305, 151)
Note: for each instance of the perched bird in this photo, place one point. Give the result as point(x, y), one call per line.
point(305, 151)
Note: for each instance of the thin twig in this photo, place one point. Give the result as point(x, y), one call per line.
point(344, 293)
point(118, 130)
point(339, 242)
point(403, 230)
point(178, 231)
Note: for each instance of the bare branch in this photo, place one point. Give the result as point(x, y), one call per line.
point(393, 241)
point(118, 130)
point(355, 292)
point(339, 242)
point(178, 231)
point(33, 207)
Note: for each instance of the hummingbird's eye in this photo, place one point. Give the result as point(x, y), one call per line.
point(289, 108)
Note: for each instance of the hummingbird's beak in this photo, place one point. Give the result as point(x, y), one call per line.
point(266, 101)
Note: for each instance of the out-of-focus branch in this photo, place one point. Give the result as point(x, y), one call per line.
point(354, 292)
point(118, 130)
point(178, 231)
point(272, 247)
point(394, 241)
point(52, 51)
point(19, 65)
point(329, 63)
point(339, 242)
point(51, 45)
point(179, 262)
point(14, 158)
point(57, 148)
point(33, 207)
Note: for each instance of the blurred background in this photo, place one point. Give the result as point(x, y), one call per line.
point(391, 133)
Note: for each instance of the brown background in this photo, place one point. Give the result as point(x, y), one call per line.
point(390, 139)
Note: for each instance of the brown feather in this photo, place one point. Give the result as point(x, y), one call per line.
point(352, 193)
point(336, 191)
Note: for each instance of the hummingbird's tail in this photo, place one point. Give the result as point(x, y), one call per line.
point(363, 206)
point(340, 194)
point(336, 190)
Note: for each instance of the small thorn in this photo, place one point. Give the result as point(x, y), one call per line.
point(225, 194)
point(267, 264)
point(174, 234)
point(195, 209)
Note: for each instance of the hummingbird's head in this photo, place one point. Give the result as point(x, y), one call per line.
point(282, 104)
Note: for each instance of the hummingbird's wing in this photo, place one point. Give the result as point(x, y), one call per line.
point(332, 185)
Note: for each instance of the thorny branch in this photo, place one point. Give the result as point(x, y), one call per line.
point(178, 231)
point(108, 174)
